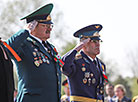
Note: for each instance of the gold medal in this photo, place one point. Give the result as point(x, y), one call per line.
point(36, 63)
point(84, 80)
point(83, 69)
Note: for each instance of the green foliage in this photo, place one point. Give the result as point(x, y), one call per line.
point(134, 86)
point(68, 47)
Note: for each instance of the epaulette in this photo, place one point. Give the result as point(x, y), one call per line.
point(78, 56)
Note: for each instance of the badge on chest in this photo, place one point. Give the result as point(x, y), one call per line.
point(39, 58)
point(88, 76)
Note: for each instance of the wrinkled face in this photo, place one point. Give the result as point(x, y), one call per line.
point(93, 47)
point(42, 31)
point(119, 92)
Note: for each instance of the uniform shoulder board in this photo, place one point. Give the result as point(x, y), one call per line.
point(78, 56)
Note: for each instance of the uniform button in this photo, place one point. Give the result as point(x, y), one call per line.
point(98, 86)
point(57, 74)
point(58, 82)
point(97, 93)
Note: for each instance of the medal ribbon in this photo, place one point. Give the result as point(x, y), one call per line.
point(57, 58)
point(12, 51)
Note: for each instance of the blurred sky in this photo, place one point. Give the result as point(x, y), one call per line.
point(118, 17)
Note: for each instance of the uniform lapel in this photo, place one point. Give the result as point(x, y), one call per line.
point(39, 46)
point(90, 63)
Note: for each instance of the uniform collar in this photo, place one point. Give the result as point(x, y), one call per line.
point(36, 38)
point(92, 59)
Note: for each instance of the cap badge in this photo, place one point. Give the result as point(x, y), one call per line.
point(97, 27)
point(48, 18)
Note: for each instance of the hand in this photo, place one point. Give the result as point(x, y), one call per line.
point(82, 44)
point(31, 26)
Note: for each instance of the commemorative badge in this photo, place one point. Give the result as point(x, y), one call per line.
point(87, 74)
point(83, 69)
point(84, 80)
point(93, 80)
point(37, 63)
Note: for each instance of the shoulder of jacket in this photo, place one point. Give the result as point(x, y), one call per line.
point(101, 62)
point(78, 56)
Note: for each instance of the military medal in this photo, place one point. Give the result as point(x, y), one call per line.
point(93, 80)
point(44, 60)
point(34, 53)
point(35, 49)
point(35, 58)
point(87, 74)
point(83, 69)
point(101, 91)
point(47, 61)
point(89, 81)
point(40, 61)
point(91, 74)
point(36, 63)
point(84, 80)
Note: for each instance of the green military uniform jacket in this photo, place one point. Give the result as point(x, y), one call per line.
point(39, 76)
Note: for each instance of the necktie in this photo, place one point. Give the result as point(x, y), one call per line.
point(94, 61)
point(45, 44)
point(48, 48)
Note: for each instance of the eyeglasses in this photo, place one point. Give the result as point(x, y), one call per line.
point(96, 41)
point(47, 25)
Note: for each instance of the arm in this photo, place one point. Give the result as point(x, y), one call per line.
point(69, 58)
point(18, 38)
point(69, 65)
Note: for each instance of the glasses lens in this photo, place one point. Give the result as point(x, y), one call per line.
point(96, 41)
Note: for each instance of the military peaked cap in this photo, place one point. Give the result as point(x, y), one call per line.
point(41, 15)
point(91, 31)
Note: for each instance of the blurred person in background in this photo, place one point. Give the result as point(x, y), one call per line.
point(66, 96)
point(109, 89)
point(120, 93)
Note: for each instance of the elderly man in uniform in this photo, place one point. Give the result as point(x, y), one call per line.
point(86, 72)
point(39, 76)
